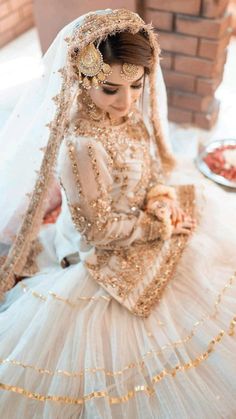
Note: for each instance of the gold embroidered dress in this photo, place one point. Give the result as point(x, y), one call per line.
point(81, 351)
point(136, 323)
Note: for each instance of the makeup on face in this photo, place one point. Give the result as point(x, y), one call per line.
point(112, 88)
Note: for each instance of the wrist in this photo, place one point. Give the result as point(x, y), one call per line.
point(161, 191)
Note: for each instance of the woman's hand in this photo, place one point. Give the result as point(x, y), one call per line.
point(176, 213)
point(184, 227)
point(165, 207)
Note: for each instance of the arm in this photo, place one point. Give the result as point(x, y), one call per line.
point(86, 176)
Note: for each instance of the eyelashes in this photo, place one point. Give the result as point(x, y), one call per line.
point(113, 92)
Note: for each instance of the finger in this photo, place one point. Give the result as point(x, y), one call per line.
point(184, 231)
point(181, 230)
point(180, 214)
point(188, 218)
point(187, 224)
point(174, 215)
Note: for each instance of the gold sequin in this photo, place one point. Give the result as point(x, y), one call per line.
point(140, 364)
point(72, 303)
point(149, 390)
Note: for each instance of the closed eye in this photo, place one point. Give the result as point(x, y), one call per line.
point(137, 86)
point(109, 92)
point(113, 92)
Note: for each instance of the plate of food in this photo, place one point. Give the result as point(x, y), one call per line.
point(217, 161)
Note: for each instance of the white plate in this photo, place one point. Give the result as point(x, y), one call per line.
point(202, 166)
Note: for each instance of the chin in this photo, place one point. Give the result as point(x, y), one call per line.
point(119, 113)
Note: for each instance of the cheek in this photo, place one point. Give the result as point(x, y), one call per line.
point(100, 99)
point(136, 94)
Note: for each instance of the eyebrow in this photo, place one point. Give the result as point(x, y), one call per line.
point(117, 85)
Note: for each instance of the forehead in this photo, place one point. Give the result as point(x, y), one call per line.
point(116, 77)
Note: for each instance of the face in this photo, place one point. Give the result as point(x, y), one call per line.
point(117, 95)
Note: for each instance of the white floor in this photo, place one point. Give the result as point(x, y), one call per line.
point(20, 62)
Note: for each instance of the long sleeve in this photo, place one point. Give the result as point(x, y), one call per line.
point(86, 176)
point(157, 185)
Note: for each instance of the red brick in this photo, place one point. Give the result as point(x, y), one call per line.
point(17, 4)
point(178, 43)
point(160, 20)
point(191, 7)
point(213, 8)
point(4, 9)
point(9, 21)
point(6, 37)
point(199, 66)
point(208, 119)
point(179, 116)
point(211, 49)
point(24, 25)
point(208, 28)
point(27, 10)
point(207, 86)
point(179, 81)
point(166, 60)
point(189, 101)
point(232, 11)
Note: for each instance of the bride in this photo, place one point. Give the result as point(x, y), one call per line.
point(125, 305)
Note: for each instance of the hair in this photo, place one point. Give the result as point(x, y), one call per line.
point(125, 47)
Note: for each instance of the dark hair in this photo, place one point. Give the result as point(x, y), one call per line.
point(125, 47)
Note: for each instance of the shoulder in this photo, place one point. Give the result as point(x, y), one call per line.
point(83, 149)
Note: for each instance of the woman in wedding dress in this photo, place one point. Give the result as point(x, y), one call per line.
point(125, 306)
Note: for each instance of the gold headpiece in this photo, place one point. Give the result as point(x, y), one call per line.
point(129, 71)
point(90, 64)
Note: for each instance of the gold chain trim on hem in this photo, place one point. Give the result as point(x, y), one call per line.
point(149, 390)
point(59, 298)
point(140, 364)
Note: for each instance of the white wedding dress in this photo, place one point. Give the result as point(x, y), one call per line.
point(70, 350)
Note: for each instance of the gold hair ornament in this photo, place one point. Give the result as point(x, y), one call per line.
point(129, 71)
point(90, 64)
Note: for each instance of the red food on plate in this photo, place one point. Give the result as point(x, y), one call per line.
point(222, 161)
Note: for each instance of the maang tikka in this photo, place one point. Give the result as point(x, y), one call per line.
point(129, 71)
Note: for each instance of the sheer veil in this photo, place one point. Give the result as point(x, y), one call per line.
point(31, 139)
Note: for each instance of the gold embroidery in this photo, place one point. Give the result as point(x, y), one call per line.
point(72, 155)
point(150, 390)
point(72, 303)
point(122, 271)
point(32, 219)
point(31, 266)
point(130, 139)
point(140, 364)
point(2, 260)
point(154, 290)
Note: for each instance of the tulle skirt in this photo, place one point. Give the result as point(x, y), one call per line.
point(68, 350)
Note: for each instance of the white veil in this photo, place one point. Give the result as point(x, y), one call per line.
point(35, 126)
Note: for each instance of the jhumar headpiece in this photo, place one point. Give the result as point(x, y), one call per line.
point(90, 64)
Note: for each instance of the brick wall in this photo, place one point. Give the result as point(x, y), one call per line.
point(232, 10)
point(193, 35)
point(16, 16)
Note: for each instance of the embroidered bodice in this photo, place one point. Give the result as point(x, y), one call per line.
point(105, 172)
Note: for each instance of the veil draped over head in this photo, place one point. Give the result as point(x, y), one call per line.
point(32, 137)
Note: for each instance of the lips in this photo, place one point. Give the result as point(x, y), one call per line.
point(119, 109)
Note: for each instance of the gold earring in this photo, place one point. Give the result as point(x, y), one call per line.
point(129, 71)
point(89, 107)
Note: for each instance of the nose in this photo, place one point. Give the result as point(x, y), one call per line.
point(124, 98)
